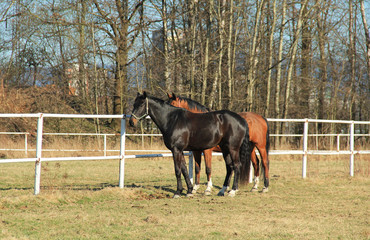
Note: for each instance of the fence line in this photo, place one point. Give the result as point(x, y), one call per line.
point(105, 150)
point(122, 156)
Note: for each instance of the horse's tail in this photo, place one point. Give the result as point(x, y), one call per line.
point(245, 158)
point(267, 146)
point(267, 137)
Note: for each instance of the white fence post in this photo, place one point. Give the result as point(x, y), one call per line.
point(338, 142)
point(105, 145)
point(305, 147)
point(122, 153)
point(191, 163)
point(25, 144)
point(40, 124)
point(352, 144)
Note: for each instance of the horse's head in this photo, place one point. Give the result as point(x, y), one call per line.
point(140, 110)
point(174, 100)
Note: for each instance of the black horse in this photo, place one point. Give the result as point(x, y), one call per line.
point(184, 130)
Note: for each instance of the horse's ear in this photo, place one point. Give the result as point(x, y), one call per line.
point(138, 94)
point(144, 94)
point(169, 96)
point(173, 96)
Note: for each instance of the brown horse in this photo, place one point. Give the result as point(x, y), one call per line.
point(258, 134)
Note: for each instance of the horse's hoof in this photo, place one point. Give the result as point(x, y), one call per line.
point(189, 195)
point(232, 193)
point(254, 190)
point(207, 193)
point(195, 188)
point(220, 193)
point(265, 190)
point(194, 191)
point(176, 196)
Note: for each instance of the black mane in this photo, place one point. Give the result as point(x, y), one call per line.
point(161, 101)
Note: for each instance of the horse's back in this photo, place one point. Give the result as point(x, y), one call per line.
point(214, 127)
point(229, 117)
point(196, 131)
point(234, 126)
point(258, 126)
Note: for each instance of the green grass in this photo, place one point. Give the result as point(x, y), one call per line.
point(81, 200)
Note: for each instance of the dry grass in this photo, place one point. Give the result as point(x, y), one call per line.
point(81, 200)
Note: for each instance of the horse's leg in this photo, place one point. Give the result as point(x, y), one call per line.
point(229, 171)
point(208, 160)
point(256, 165)
point(177, 164)
point(266, 165)
point(236, 166)
point(197, 158)
point(185, 173)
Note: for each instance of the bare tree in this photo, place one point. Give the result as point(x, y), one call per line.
point(206, 51)
point(293, 53)
point(253, 57)
point(352, 60)
point(323, 74)
point(117, 28)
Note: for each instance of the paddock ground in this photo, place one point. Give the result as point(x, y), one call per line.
point(81, 200)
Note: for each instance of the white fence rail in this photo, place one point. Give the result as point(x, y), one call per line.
point(106, 150)
point(122, 156)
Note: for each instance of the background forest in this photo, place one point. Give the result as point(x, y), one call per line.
point(281, 59)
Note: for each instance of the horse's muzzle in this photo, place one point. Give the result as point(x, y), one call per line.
point(132, 122)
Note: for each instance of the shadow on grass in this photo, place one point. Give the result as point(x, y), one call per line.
point(90, 187)
point(15, 188)
point(167, 190)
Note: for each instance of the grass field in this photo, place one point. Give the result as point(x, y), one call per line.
point(81, 200)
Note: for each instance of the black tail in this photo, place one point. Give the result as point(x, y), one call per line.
point(267, 137)
point(267, 143)
point(245, 158)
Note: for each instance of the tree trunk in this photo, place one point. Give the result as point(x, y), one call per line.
point(193, 13)
point(166, 71)
point(304, 87)
point(81, 51)
point(323, 74)
point(278, 71)
point(217, 84)
point(270, 54)
point(253, 59)
point(120, 84)
point(366, 85)
point(293, 52)
point(229, 57)
point(352, 61)
point(206, 54)
point(367, 37)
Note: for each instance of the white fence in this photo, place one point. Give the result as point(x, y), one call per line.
point(122, 156)
point(106, 150)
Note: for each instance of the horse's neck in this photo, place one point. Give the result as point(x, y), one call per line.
point(159, 114)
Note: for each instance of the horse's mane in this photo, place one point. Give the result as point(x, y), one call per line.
point(156, 99)
point(194, 104)
point(161, 101)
